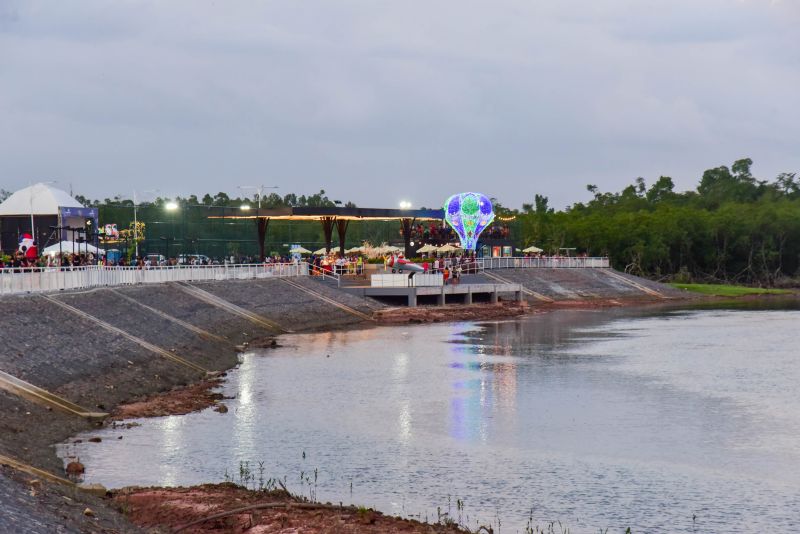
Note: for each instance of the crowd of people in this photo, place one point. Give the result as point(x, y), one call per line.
point(440, 234)
point(18, 260)
point(432, 233)
point(352, 264)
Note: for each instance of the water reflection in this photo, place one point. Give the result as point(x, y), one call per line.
point(601, 419)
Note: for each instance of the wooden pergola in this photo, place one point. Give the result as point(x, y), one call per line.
point(333, 217)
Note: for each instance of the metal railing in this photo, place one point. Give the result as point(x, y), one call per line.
point(44, 279)
point(545, 262)
point(319, 271)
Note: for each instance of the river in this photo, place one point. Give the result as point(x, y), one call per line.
point(661, 420)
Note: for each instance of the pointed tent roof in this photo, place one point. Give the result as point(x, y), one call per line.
point(39, 199)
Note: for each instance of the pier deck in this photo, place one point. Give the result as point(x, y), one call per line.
point(463, 292)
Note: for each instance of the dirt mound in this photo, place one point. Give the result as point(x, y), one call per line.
point(275, 512)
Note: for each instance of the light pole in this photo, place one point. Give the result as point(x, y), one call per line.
point(259, 189)
point(261, 225)
point(171, 206)
point(136, 220)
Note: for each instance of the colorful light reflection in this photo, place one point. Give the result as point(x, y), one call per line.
point(469, 214)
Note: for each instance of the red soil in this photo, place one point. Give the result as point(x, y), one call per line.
point(179, 401)
point(173, 508)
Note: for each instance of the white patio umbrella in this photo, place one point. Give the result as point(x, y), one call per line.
point(68, 246)
point(428, 249)
point(355, 249)
point(449, 248)
point(532, 249)
point(299, 250)
point(320, 251)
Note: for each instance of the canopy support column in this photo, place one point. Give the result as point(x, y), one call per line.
point(327, 229)
point(341, 229)
point(407, 226)
point(262, 223)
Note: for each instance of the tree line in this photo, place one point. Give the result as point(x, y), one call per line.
point(732, 228)
point(222, 199)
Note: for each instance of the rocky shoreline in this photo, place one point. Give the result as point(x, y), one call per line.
point(106, 369)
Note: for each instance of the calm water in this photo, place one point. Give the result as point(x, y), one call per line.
point(664, 421)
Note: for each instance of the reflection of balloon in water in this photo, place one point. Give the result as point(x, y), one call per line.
point(468, 214)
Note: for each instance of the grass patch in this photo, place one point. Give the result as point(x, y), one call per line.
point(720, 290)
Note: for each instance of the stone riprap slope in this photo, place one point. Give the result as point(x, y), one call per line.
point(363, 304)
point(584, 284)
point(67, 354)
point(31, 507)
point(207, 352)
point(170, 299)
point(285, 305)
point(72, 356)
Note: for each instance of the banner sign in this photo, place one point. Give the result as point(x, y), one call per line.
point(79, 212)
point(75, 217)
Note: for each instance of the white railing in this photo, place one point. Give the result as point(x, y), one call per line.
point(544, 262)
point(41, 280)
point(404, 280)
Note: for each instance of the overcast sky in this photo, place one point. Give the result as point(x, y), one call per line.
point(376, 102)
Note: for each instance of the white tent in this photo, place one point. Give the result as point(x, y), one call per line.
point(39, 199)
point(354, 250)
point(299, 250)
point(320, 251)
point(47, 206)
point(67, 247)
point(532, 250)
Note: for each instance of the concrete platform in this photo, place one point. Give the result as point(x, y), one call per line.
point(466, 291)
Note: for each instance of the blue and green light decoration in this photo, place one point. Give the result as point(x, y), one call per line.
point(469, 214)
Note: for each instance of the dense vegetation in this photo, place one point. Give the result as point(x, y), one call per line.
point(720, 290)
point(733, 227)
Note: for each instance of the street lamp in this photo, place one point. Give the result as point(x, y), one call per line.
point(244, 207)
point(259, 189)
point(405, 204)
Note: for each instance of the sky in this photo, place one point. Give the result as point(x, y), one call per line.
point(377, 102)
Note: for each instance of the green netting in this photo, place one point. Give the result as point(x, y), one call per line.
point(189, 230)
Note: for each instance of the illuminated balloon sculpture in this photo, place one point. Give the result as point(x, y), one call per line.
point(469, 214)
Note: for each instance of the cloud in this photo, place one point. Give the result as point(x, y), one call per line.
point(374, 101)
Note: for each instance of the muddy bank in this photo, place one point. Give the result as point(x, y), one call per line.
point(258, 511)
point(179, 401)
point(437, 314)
